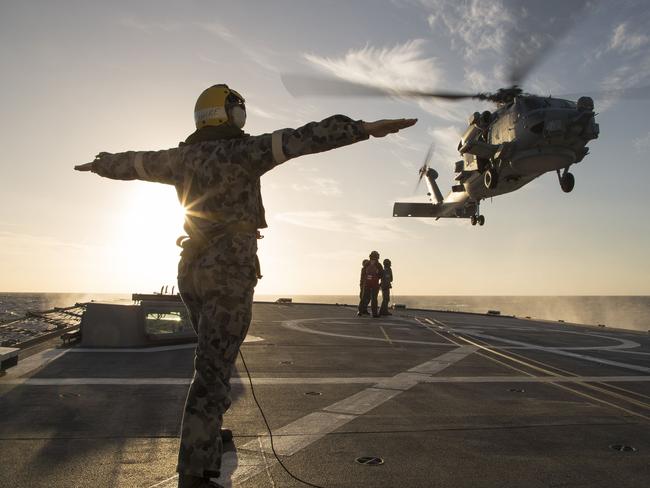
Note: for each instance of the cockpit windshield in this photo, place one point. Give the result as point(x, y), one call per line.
point(535, 103)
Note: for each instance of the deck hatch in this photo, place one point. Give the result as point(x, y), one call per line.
point(369, 460)
point(622, 448)
point(69, 395)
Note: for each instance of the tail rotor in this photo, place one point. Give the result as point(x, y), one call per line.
point(426, 165)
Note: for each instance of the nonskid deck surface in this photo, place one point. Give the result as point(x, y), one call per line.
point(444, 399)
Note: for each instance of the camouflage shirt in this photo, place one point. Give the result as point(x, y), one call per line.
point(218, 181)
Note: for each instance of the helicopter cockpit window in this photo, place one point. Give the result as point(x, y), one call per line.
point(534, 103)
point(559, 103)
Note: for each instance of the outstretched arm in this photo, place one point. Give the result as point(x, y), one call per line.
point(336, 131)
point(330, 133)
point(157, 166)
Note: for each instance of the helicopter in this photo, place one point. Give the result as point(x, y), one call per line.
point(525, 137)
point(502, 150)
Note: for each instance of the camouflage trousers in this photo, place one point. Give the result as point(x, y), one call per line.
point(216, 284)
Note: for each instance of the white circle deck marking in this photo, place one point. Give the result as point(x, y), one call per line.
point(299, 325)
point(470, 329)
point(252, 338)
point(622, 343)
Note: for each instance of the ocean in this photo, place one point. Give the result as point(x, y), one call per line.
point(627, 312)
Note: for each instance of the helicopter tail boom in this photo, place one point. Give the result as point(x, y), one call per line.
point(434, 189)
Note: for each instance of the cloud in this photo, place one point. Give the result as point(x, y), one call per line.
point(380, 229)
point(258, 54)
point(478, 80)
point(624, 41)
point(149, 27)
point(407, 164)
point(218, 29)
point(642, 144)
point(364, 227)
point(404, 142)
point(338, 255)
point(446, 143)
point(505, 38)
point(321, 220)
point(321, 186)
point(254, 109)
point(403, 66)
point(634, 73)
point(475, 26)
point(627, 49)
point(19, 241)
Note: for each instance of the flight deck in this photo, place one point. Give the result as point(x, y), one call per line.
point(417, 399)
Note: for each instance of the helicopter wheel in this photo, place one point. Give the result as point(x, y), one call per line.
point(473, 219)
point(490, 179)
point(481, 220)
point(567, 182)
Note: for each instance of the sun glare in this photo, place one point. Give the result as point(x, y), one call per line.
point(146, 242)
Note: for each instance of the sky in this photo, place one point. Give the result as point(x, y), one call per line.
point(80, 77)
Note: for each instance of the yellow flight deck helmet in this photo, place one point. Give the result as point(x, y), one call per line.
point(219, 105)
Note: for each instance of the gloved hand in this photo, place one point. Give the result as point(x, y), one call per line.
point(89, 166)
point(381, 128)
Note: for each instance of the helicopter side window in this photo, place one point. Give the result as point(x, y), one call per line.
point(559, 103)
point(531, 104)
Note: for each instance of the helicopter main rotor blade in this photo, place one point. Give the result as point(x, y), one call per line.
point(636, 93)
point(308, 85)
point(528, 45)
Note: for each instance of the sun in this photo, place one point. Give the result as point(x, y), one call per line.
point(145, 242)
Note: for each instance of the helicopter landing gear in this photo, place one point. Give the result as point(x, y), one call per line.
point(567, 181)
point(491, 178)
point(477, 219)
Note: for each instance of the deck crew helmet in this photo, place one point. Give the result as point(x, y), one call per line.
point(219, 105)
point(374, 255)
point(387, 262)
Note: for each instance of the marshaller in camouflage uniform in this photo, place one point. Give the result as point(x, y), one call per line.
point(216, 173)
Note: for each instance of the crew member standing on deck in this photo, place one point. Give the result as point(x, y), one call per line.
point(216, 172)
point(386, 285)
point(362, 282)
point(373, 272)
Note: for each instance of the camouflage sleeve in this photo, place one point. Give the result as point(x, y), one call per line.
point(156, 166)
point(335, 131)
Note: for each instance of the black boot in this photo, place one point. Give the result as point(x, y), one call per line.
point(226, 435)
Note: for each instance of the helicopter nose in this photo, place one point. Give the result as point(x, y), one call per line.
point(584, 124)
point(585, 104)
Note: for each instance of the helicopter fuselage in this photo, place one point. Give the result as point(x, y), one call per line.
point(504, 150)
point(521, 141)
